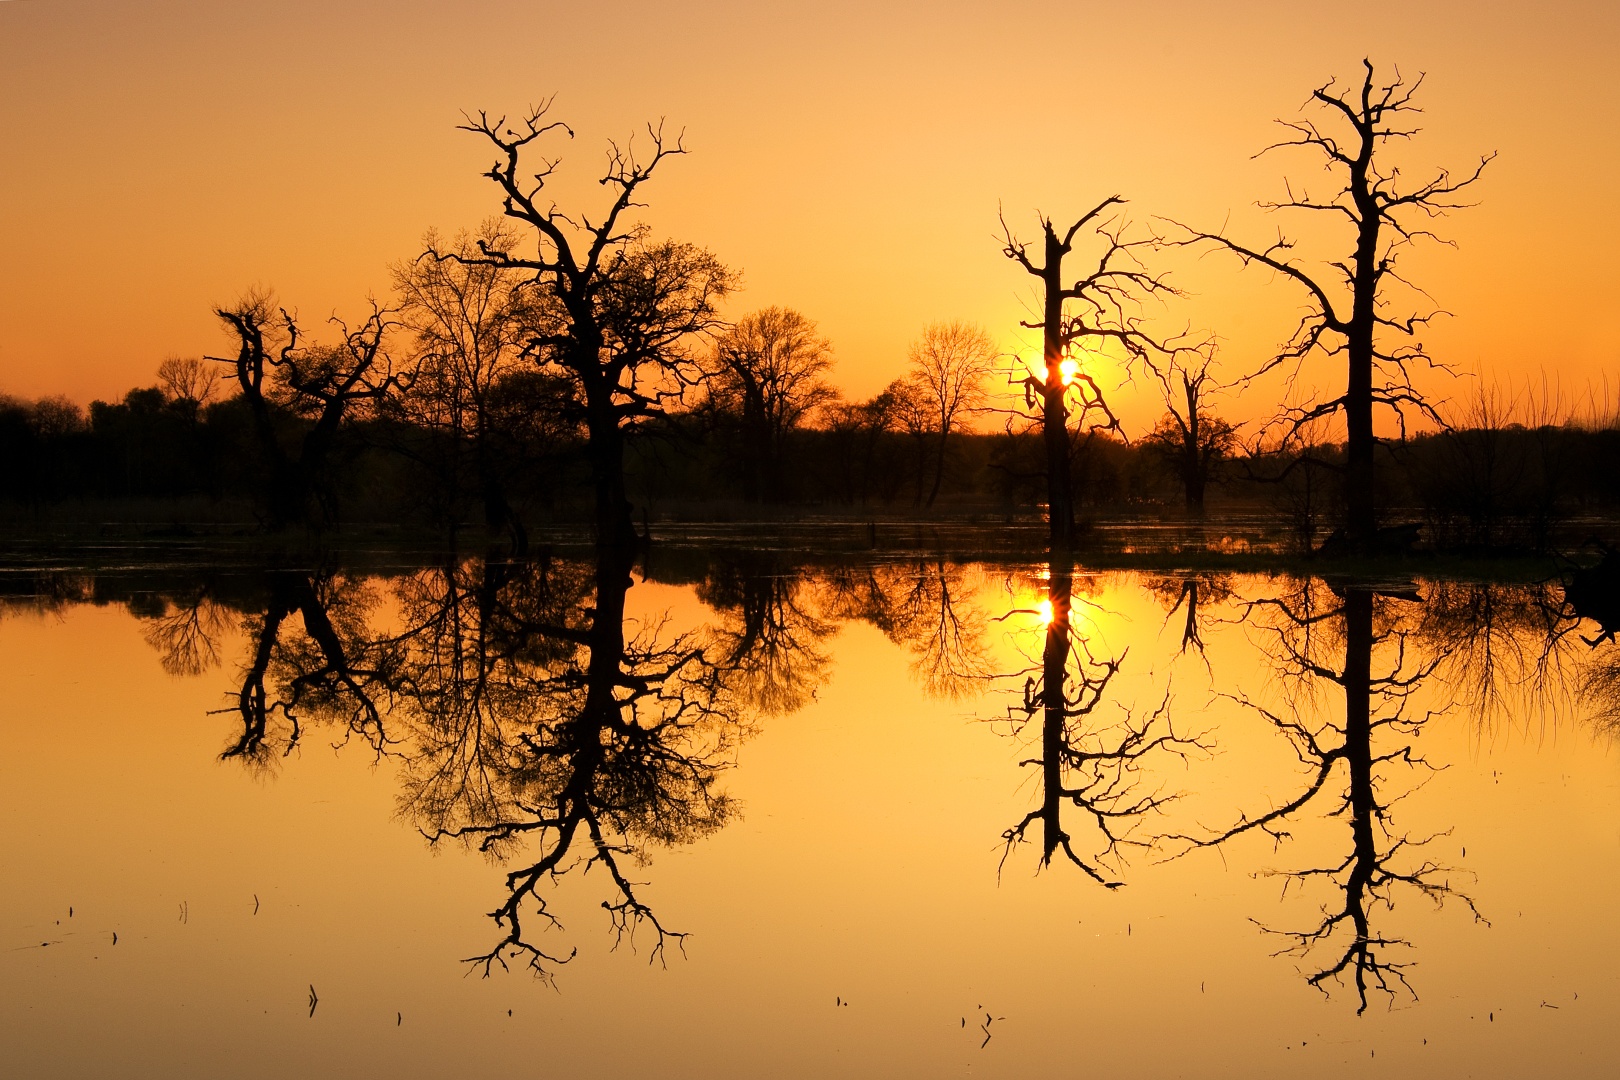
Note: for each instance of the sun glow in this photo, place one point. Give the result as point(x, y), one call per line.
point(1069, 369)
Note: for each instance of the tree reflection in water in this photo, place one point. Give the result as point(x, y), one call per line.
point(336, 672)
point(536, 722)
point(923, 606)
point(1504, 651)
point(531, 718)
point(1192, 594)
point(1592, 594)
point(771, 638)
point(605, 743)
point(1095, 765)
point(1326, 635)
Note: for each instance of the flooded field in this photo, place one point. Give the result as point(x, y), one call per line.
point(737, 815)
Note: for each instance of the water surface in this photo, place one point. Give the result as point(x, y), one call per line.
point(765, 815)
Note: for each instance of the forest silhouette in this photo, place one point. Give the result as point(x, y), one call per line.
point(565, 366)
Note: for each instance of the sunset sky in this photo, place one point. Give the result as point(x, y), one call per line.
point(848, 158)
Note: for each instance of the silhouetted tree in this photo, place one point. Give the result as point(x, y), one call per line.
point(1190, 439)
point(1385, 216)
point(949, 365)
point(1100, 306)
point(857, 431)
point(768, 372)
point(471, 321)
point(187, 379)
point(626, 307)
point(322, 385)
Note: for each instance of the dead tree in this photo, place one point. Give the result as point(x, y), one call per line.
point(321, 387)
point(1100, 306)
point(625, 307)
point(1357, 318)
point(1190, 438)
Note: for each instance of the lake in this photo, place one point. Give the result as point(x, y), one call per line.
point(733, 813)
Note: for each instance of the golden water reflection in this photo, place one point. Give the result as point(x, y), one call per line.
point(1247, 800)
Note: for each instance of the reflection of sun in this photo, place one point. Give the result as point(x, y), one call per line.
point(1042, 610)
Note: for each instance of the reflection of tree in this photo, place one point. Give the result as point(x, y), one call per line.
point(529, 718)
point(1312, 630)
point(188, 632)
point(335, 671)
point(771, 636)
point(471, 639)
point(1194, 593)
point(1593, 594)
point(1084, 761)
point(922, 606)
point(604, 739)
point(1501, 649)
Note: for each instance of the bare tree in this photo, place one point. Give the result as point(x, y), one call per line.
point(769, 370)
point(471, 321)
point(324, 386)
point(1191, 440)
point(950, 363)
point(1358, 318)
point(1102, 305)
point(187, 379)
point(626, 307)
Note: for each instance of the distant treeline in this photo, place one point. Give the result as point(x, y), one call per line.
point(1490, 486)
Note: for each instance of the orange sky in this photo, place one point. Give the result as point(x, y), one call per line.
point(849, 158)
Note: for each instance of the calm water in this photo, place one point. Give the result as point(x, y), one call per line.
point(742, 817)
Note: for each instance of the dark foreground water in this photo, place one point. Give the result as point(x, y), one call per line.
point(759, 816)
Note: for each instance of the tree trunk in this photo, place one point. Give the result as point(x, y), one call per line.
point(1361, 518)
point(939, 467)
point(1361, 514)
point(615, 529)
point(1054, 412)
point(1193, 471)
